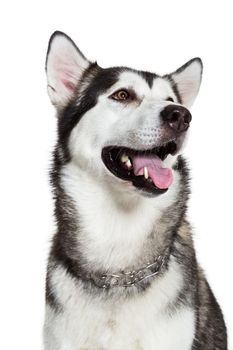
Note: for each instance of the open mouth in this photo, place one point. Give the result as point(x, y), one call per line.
point(144, 169)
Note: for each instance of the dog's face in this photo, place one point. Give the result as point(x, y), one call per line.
point(119, 124)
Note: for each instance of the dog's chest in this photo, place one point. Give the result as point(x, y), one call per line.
point(127, 330)
point(141, 322)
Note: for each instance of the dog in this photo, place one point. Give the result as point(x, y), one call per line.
point(122, 271)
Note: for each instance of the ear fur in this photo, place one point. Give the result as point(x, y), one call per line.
point(188, 79)
point(65, 65)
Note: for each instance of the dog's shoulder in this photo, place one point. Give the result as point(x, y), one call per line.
point(211, 331)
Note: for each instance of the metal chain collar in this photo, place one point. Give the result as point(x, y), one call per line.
point(130, 278)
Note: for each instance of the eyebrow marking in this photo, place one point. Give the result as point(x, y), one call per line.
point(148, 77)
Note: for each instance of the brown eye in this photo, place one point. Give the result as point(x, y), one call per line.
point(121, 95)
point(170, 99)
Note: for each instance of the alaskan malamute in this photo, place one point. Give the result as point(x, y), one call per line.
point(122, 272)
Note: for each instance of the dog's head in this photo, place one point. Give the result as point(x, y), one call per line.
point(120, 124)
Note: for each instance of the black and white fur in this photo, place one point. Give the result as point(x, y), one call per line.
point(105, 224)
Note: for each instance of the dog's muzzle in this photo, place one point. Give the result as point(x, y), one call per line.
point(144, 166)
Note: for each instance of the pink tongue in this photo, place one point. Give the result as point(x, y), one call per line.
point(161, 177)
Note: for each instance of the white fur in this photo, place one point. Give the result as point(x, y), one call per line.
point(115, 220)
point(140, 322)
point(113, 227)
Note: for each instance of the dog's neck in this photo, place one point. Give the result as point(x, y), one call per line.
point(105, 232)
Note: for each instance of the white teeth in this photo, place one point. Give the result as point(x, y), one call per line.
point(128, 164)
point(124, 158)
point(146, 175)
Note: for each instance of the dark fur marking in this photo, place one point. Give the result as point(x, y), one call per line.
point(79, 105)
point(174, 88)
point(211, 333)
point(210, 328)
point(51, 299)
point(149, 77)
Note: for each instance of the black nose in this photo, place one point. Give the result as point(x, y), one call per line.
point(178, 117)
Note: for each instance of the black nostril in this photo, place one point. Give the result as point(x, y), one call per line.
point(173, 116)
point(177, 117)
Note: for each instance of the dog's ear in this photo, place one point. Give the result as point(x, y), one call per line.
point(65, 65)
point(188, 79)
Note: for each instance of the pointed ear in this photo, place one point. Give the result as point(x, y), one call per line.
point(188, 79)
point(65, 65)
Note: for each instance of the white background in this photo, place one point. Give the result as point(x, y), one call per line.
point(153, 35)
